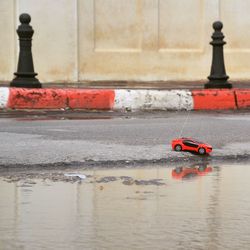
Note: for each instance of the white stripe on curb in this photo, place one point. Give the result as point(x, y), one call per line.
point(153, 100)
point(4, 97)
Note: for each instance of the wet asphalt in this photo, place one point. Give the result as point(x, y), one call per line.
point(87, 139)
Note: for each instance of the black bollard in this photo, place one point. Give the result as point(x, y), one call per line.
point(218, 77)
point(25, 75)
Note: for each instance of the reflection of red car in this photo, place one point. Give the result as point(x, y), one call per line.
point(189, 144)
point(182, 172)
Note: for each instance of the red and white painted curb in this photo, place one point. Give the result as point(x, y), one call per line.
point(124, 99)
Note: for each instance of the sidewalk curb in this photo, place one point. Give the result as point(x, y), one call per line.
point(124, 99)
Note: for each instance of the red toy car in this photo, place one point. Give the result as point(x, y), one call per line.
point(183, 172)
point(189, 144)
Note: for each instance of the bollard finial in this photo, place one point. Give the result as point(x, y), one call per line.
point(218, 25)
point(218, 77)
point(24, 18)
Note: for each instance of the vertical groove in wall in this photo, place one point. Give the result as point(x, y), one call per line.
point(202, 27)
point(77, 76)
point(139, 22)
point(219, 10)
point(94, 25)
point(158, 27)
point(15, 40)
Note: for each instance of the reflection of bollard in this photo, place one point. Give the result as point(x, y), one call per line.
point(218, 77)
point(25, 75)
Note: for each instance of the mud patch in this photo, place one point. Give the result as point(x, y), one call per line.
point(30, 179)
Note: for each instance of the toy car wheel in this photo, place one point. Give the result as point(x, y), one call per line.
point(178, 148)
point(202, 151)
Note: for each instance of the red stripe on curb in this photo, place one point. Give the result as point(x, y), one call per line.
point(243, 98)
point(21, 98)
point(213, 99)
point(91, 99)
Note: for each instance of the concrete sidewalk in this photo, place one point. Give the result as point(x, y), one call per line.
point(158, 96)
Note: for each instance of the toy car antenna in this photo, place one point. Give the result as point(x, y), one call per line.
point(184, 124)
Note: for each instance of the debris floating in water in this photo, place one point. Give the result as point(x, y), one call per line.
point(81, 176)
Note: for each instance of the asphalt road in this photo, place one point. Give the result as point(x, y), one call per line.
point(108, 138)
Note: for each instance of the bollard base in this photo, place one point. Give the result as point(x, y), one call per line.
point(218, 85)
point(25, 83)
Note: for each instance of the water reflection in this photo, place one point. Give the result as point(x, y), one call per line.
point(191, 171)
point(128, 209)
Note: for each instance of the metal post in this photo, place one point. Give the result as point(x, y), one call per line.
point(218, 77)
point(25, 75)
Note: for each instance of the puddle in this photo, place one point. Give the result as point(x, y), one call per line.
point(198, 207)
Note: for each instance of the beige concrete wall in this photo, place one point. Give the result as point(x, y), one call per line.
point(7, 48)
point(236, 28)
point(143, 40)
point(55, 46)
